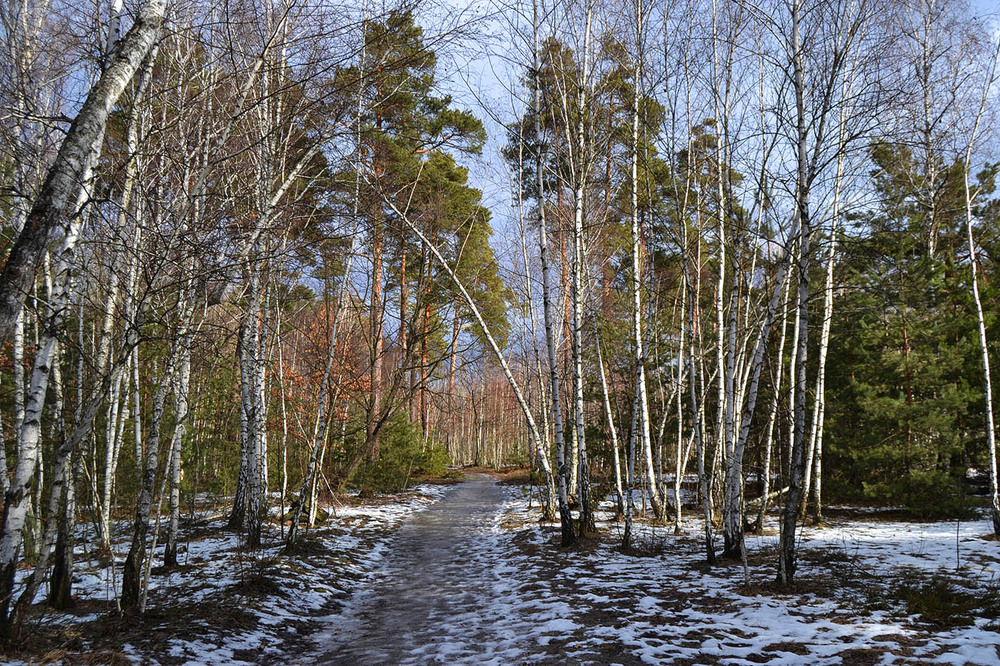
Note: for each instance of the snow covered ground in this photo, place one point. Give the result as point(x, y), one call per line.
point(598, 605)
point(224, 604)
point(869, 591)
point(594, 604)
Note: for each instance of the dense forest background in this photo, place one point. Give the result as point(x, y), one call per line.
point(735, 253)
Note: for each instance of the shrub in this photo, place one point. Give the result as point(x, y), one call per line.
point(929, 494)
point(402, 455)
point(941, 602)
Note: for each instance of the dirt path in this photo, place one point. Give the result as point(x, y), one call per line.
point(436, 598)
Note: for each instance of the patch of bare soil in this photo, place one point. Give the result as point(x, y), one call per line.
point(863, 656)
point(99, 641)
point(787, 646)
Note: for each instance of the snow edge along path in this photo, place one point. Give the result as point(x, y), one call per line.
point(356, 538)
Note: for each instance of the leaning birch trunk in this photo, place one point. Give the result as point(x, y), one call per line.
point(17, 500)
point(62, 479)
point(59, 583)
point(60, 515)
point(18, 497)
point(991, 442)
point(497, 353)
point(79, 150)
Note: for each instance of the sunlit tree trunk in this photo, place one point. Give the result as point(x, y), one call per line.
point(786, 562)
point(991, 442)
point(639, 350)
point(581, 168)
point(540, 454)
point(182, 383)
point(562, 466)
point(52, 213)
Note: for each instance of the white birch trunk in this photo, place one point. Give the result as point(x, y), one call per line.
point(549, 503)
point(562, 469)
point(991, 443)
point(636, 286)
point(581, 168)
point(773, 414)
point(127, 219)
point(680, 462)
point(17, 500)
point(52, 212)
point(786, 561)
point(182, 383)
point(609, 417)
point(814, 448)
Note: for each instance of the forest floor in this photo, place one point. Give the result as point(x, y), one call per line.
point(466, 574)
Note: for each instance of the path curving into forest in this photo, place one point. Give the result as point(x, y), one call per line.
point(438, 596)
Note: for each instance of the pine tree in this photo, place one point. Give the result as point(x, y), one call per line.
point(907, 421)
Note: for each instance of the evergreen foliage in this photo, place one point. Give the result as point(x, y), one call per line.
point(905, 421)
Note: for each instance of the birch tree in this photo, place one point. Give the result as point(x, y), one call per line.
point(989, 78)
point(51, 217)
